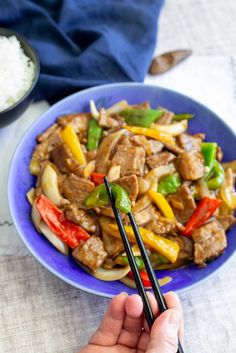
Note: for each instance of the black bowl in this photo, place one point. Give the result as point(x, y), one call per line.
point(10, 114)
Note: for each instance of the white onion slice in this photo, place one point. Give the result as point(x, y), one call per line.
point(59, 244)
point(49, 186)
point(93, 110)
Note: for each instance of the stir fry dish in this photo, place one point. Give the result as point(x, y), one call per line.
point(181, 194)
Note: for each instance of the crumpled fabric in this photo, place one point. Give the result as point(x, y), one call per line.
point(84, 43)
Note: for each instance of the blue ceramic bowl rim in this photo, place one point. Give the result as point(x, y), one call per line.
point(23, 40)
point(11, 177)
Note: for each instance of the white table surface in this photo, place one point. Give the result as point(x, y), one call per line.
point(38, 312)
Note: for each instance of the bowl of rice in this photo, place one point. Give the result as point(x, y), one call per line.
point(19, 73)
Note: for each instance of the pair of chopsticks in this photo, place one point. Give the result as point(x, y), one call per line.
point(151, 274)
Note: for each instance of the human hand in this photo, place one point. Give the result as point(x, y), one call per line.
point(124, 329)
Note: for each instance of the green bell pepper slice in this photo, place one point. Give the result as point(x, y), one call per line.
point(169, 184)
point(123, 260)
point(94, 135)
point(218, 176)
point(141, 117)
point(209, 150)
point(183, 116)
point(98, 197)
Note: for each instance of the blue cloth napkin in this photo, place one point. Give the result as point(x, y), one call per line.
point(83, 43)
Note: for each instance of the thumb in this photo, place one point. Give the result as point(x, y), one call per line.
point(164, 333)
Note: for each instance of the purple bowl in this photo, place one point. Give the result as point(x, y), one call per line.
point(20, 181)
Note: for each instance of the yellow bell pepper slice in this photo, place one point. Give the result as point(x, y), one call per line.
point(159, 136)
point(162, 245)
point(227, 191)
point(162, 204)
point(71, 139)
point(172, 129)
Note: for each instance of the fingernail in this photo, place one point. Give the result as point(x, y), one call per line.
point(124, 293)
point(174, 318)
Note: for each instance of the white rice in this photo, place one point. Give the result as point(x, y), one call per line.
point(16, 72)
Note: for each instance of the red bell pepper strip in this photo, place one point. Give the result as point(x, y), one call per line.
point(97, 178)
point(67, 231)
point(203, 212)
point(144, 278)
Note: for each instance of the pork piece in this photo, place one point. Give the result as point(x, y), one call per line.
point(91, 253)
point(189, 142)
point(42, 137)
point(106, 121)
point(112, 245)
point(130, 158)
point(105, 211)
point(209, 242)
point(163, 226)
point(146, 215)
point(80, 217)
point(130, 184)
point(186, 246)
point(219, 154)
point(105, 151)
point(91, 155)
point(75, 189)
point(79, 121)
point(182, 204)
point(190, 165)
point(173, 148)
point(226, 220)
point(140, 140)
point(166, 118)
point(162, 158)
point(143, 105)
point(42, 150)
point(155, 146)
point(143, 185)
point(62, 157)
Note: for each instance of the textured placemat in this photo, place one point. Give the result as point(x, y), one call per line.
point(206, 26)
point(40, 313)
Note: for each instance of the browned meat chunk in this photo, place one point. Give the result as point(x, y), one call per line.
point(155, 146)
point(42, 137)
point(80, 217)
point(105, 151)
point(140, 140)
point(182, 204)
point(143, 185)
point(227, 220)
point(146, 215)
point(75, 189)
point(186, 246)
point(130, 158)
point(166, 118)
point(91, 155)
point(62, 157)
point(219, 154)
point(79, 121)
point(91, 253)
point(200, 135)
point(209, 242)
point(42, 150)
point(173, 148)
point(190, 165)
point(112, 245)
point(106, 121)
point(162, 158)
point(130, 184)
point(143, 105)
point(163, 226)
point(189, 142)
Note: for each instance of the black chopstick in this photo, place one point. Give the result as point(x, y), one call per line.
point(151, 274)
